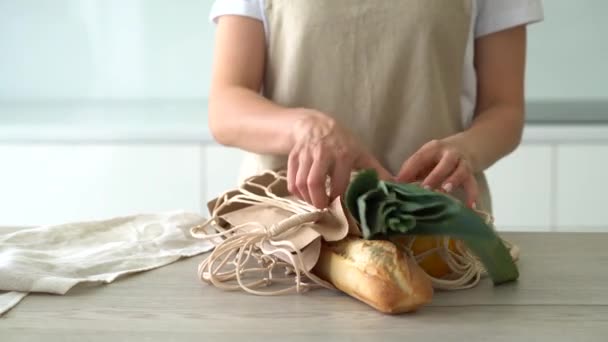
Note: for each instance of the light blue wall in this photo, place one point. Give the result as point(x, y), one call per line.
point(568, 51)
point(104, 49)
point(113, 49)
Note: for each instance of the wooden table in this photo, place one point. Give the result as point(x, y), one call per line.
point(561, 296)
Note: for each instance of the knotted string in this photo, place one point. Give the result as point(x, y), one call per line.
point(465, 268)
point(241, 245)
point(238, 247)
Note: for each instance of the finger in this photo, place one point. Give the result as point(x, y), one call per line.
point(340, 178)
point(442, 170)
point(292, 170)
point(317, 182)
point(457, 177)
point(305, 163)
point(471, 190)
point(422, 174)
point(368, 161)
point(420, 161)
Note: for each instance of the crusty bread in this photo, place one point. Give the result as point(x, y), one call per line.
point(375, 272)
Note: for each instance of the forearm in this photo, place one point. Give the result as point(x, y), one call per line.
point(498, 124)
point(494, 133)
point(239, 117)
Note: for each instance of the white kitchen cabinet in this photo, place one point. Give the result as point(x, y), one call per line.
point(521, 187)
point(537, 187)
point(582, 185)
point(222, 165)
point(52, 184)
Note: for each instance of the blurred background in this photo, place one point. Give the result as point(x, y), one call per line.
point(103, 113)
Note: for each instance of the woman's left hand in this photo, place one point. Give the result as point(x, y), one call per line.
point(441, 164)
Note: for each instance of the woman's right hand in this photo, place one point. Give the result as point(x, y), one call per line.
point(322, 149)
point(239, 116)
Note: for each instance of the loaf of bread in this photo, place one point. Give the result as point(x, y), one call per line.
point(375, 272)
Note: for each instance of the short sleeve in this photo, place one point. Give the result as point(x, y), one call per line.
point(247, 8)
point(498, 15)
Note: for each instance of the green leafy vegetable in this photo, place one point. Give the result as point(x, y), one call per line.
point(386, 208)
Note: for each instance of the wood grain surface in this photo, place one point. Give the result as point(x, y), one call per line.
point(561, 296)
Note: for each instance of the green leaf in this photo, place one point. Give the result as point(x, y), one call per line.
point(368, 206)
point(364, 182)
point(386, 208)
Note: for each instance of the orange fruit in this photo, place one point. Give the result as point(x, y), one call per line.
point(432, 263)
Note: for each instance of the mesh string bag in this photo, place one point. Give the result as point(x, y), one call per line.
point(267, 241)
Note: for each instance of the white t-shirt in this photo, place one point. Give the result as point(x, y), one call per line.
point(488, 16)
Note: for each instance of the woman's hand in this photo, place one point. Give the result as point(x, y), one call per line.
point(451, 162)
point(441, 164)
point(322, 149)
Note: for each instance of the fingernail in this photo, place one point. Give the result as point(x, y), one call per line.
point(474, 205)
point(427, 187)
point(448, 187)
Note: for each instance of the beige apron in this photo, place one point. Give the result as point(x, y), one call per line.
point(390, 70)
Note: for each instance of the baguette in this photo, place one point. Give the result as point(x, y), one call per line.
point(376, 273)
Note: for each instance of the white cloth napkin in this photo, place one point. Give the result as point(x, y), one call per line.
point(53, 259)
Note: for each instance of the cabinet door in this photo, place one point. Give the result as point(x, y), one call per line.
point(582, 187)
point(52, 184)
point(222, 166)
point(521, 187)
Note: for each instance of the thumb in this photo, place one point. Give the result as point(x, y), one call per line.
point(367, 161)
